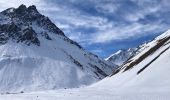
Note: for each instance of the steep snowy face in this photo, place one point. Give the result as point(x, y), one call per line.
point(36, 55)
point(146, 72)
point(148, 50)
point(122, 56)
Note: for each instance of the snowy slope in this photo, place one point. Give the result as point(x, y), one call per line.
point(122, 56)
point(147, 71)
point(147, 79)
point(151, 83)
point(86, 94)
point(36, 55)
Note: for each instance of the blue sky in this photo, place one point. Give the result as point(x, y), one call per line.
point(104, 26)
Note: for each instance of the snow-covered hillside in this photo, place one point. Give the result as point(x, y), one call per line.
point(142, 77)
point(121, 56)
point(147, 79)
point(36, 55)
point(147, 71)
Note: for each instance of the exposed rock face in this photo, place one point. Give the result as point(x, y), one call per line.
point(36, 55)
point(29, 36)
point(17, 25)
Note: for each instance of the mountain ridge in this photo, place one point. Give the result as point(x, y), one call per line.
point(38, 56)
point(144, 73)
point(121, 56)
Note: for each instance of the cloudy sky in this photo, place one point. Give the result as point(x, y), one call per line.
point(104, 26)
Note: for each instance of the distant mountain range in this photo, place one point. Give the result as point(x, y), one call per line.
point(121, 56)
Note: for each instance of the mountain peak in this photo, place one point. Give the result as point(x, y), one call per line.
point(120, 51)
point(22, 6)
point(14, 21)
point(38, 53)
point(122, 56)
point(22, 9)
point(32, 8)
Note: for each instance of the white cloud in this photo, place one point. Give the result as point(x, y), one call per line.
point(107, 8)
point(140, 14)
point(107, 31)
point(70, 18)
point(126, 32)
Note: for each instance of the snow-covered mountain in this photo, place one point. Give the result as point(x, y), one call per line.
point(26, 64)
point(144, 77)
point(121, 56)
point(148, 70)
point(36, 55)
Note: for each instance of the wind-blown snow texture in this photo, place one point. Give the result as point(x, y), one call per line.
point(36, 55)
